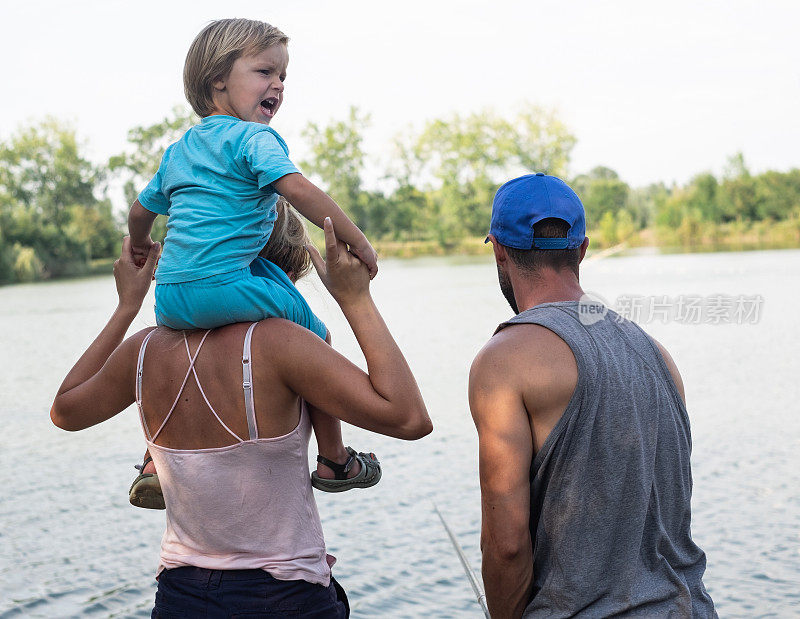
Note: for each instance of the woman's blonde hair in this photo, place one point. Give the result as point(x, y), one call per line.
point(286, 246)
point(213, 52)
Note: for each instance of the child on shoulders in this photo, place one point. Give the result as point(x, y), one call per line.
point(219, 186)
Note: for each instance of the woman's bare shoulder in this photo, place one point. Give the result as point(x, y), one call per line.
point(135, 340)
point(287, 335)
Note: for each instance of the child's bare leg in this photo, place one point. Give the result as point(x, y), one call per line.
point(150, 467)
point(328, 432)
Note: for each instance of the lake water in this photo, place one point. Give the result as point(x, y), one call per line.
point(70, 544)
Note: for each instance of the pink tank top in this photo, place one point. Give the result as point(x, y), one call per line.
point(244, 506)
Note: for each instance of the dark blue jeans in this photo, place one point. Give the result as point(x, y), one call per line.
point(199, 592)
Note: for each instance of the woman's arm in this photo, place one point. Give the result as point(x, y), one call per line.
point(387, 398)
point(101, 383)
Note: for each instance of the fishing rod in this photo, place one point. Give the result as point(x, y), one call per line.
point(473, 579)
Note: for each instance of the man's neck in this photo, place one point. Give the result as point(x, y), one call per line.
point(547, 287)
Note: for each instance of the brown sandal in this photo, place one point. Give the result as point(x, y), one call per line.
point(146, 490)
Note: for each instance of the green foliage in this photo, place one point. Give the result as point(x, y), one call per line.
point(43, 171)
point(738, 197)
point(703, 195)
point(51, 218)
point(443, 179)
point(710, 211)
point(462, 160)
point(625, 226)
point(690, 229)
point(338, 160)
point(777, 195)
point(27, 267)
point(644, 202)
point(613, 228)
point(137, 166)
point(608, 229)
point(601, 192)
point(436, 196)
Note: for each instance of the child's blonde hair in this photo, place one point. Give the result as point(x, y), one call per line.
point(213, 52)
point(286, 246)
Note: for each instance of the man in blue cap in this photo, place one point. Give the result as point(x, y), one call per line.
point(583, 432)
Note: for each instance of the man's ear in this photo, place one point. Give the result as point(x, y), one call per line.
point(500, 253)
point(584, 247)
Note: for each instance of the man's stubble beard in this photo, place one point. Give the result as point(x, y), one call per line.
point(507, 289)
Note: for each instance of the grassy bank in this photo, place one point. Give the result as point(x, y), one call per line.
point(472, 246)
point(733, 236)
point(694, 237)
point(697, 237)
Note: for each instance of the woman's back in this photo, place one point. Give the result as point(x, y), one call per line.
point(223, 466)
point(192, 424)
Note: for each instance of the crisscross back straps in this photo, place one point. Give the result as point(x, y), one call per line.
point(247, 384)
point(190, 371)
point(192, 359)
point(200, 387)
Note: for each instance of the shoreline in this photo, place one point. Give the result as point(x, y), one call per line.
point(474, 247)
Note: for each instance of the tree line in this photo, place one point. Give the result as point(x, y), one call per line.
point(436, 189)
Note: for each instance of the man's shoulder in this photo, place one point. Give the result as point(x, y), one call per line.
point(522, 350)
point(528, 340)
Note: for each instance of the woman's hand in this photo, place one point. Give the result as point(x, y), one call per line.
point(133, 282)
point(343, 274)
point(140, 252)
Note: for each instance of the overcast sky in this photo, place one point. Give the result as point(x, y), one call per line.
point(656, 91)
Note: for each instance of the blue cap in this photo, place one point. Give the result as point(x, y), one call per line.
point(525, 201)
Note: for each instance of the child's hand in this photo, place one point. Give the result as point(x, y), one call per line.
point(367, 254)
point(140, 251)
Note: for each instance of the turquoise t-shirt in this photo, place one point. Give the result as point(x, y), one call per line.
point(215, 186)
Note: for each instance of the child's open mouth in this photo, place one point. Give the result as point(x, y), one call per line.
point(269, 106)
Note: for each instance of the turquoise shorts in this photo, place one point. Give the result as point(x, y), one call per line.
point(254, 293)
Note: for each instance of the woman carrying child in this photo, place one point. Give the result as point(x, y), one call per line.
point(218, 186)
point(243, 534)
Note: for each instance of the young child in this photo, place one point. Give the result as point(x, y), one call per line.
point(219, 186)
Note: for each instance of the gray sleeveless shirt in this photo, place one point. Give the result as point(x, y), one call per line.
point(611, 486)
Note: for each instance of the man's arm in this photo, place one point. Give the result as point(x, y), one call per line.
point(673, 369)
point(505, 453)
